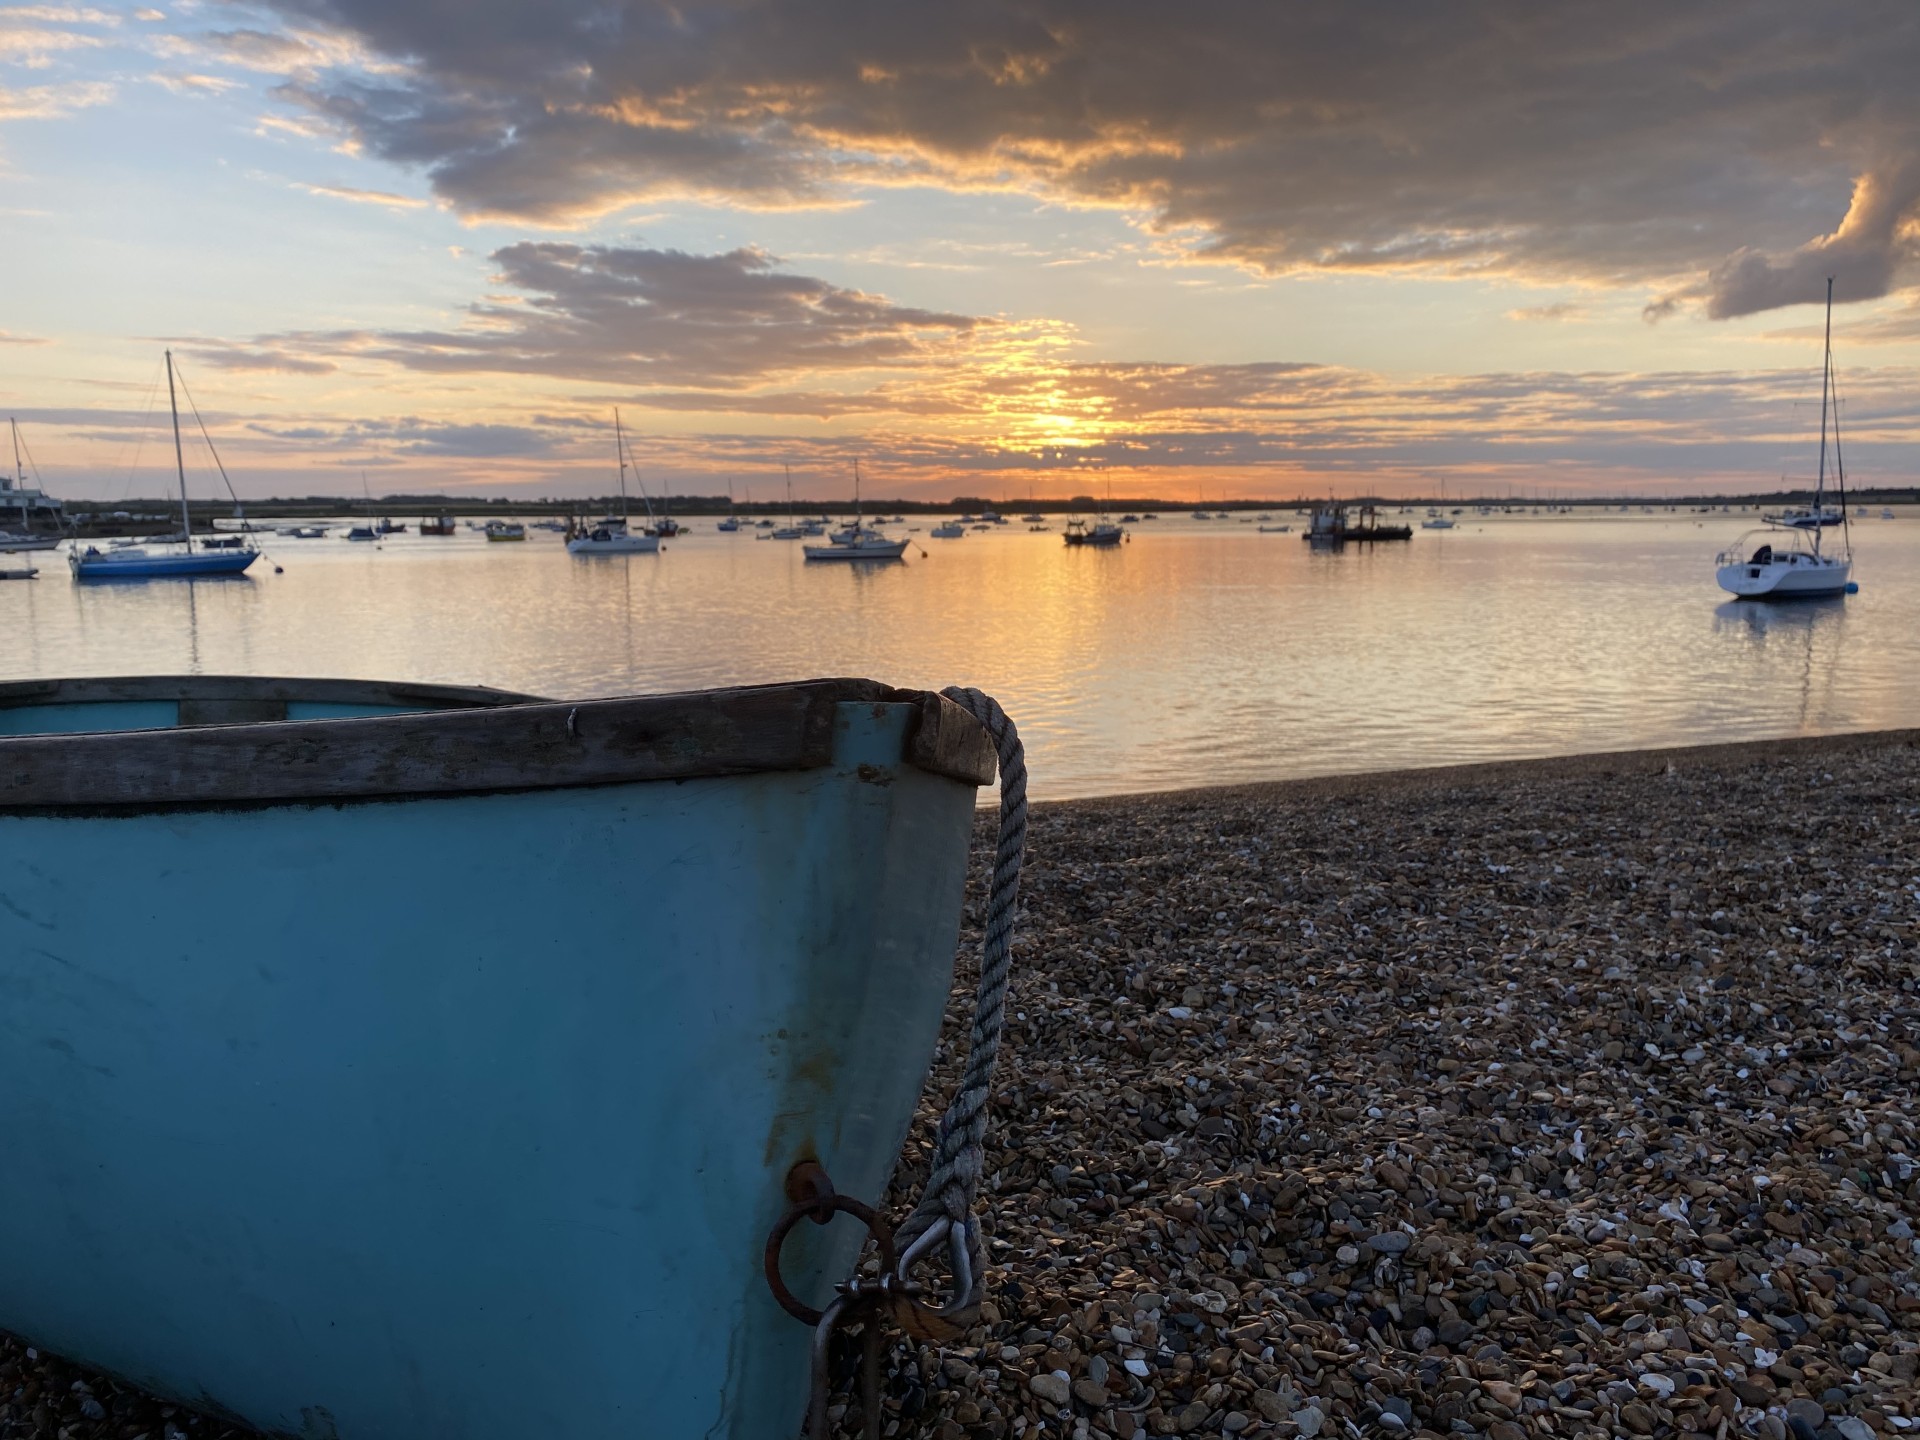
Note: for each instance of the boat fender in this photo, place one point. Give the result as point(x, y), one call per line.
point(1853, 587)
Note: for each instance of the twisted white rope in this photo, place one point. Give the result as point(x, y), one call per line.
point(953, 1179)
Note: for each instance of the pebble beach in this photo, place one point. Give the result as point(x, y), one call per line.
point(1563, 1098)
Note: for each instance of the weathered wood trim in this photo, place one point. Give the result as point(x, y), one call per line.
point(492, 747)
point(947, 741)
point(85, 690)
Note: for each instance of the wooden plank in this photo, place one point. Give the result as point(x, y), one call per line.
point(948, 741)
point(510, 747)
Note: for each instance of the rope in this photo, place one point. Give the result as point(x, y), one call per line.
point(953, 1179)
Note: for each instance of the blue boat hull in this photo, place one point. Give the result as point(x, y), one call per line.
point(466, 1116)
point(104, 565)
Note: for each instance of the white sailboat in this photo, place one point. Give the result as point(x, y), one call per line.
point(1788, 560)
point(857, 541)
point(15, 491)
point(610, 536)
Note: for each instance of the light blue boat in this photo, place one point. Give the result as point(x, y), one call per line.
point(283, 1142)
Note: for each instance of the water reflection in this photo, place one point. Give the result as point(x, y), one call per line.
point(1197, 654)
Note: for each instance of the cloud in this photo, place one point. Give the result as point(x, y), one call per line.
point(46, 102)
point(1879, 237)
point(269, 359)
point(640, 316)
point(185, 83)
point(1560, 310)
point(364, 197)
point(1635, 144)
point(7, 337)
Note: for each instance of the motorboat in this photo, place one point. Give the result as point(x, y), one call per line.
point(436, 525)
point(947, 530)
point(344, 1169)
point(506, 530)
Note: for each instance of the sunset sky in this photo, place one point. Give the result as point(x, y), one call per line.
point(1223, 250)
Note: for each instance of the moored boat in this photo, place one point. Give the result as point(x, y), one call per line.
point(610, 535)
point(436, 525)
point(138, 562)
point(506, 530)
point(470, 1142)
point(1791, 560)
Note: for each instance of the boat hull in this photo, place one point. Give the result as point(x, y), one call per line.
point(615, 545)
point(341, 1166)
point(120, 565)
point(885, 550)
point(1777, 580)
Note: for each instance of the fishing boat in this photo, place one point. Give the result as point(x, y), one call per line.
point(382, 1169)
point(142, 562)
point(611, 536)
point(506, 530)
point(391, 527)
point(1789, 560)
point(436, 525)
point(1330, 525)
point(33, 504)
point(857, 541)
point(1102, 533)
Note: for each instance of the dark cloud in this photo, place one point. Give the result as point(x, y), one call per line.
point(1635, 143)
point(643, 317)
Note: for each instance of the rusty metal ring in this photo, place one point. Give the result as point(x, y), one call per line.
point(810, 1209)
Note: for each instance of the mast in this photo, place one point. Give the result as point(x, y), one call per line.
point(179, 458)
point(1826, 382)
point(856, 499)
point(19, 470)
point(620, 449)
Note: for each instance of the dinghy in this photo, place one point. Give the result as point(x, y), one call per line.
point(500, 1167)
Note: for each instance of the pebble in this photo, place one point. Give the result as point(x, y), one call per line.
point(1054, 1387)
point(1453, 1012)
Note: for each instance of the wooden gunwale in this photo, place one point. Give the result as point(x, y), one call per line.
point(489, 742)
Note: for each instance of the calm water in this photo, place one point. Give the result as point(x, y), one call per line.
point(1202, 652)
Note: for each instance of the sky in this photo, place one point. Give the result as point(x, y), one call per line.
point(999, 249)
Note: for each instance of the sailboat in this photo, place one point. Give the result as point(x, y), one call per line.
point(730, 525)
point(611, 536)
point(1788, 559)
point(790, 530)
point(857, 541)
point(136, 562)
point(17, 491)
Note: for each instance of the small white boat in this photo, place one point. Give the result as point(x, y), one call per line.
point(949, 530)
point(610, 535)
point(1817, 517)
point(1782, 563)
point(506, 530)
point(1438, 522)
point(1886, 513)
point(857, 541)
